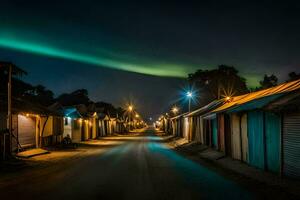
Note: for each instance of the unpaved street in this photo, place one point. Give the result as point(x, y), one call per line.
point(125, 167)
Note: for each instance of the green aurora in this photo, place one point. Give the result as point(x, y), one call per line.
point(168, 70)
point(105, 58)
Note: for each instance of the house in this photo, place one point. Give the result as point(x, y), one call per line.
point(33, 125)
point(72, 124)
point(254, 134)
point(120, 126)
point(202, 129)
point(177, 125)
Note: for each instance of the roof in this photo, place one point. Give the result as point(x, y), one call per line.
point(289, 102)
point(22, 106)
point(178, 116)
point(264, 97)
point(71, 112)
point(212, 105)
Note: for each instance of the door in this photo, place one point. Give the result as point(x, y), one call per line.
point(27, 131)
point(256, 139)
point(76, 130)
point(244, 137)
point(236, 137)
point(221, 130)
point(186, 128)
point(227, 133)
point(214, 133)
point(273, 129)
point(291, 145)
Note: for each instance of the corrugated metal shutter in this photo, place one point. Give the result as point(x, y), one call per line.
point(272, 130)
point(221, 129)
point(256, 139)
point(244, 135)
point(186, 128)
point(27, 130)
point(214, 133)
point(291, 145)
point(235, 137)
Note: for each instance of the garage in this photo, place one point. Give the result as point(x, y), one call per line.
point(27, 131)
point(291, 145)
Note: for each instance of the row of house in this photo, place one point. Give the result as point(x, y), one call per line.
point(260, 128)
point(35, 126)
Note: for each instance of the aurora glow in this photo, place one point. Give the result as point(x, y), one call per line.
point(169, 70)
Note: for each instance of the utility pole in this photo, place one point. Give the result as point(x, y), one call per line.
point(9, 112)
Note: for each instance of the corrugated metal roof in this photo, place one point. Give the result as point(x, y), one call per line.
point(240, 100)
point(207, 108)
point(178, 116)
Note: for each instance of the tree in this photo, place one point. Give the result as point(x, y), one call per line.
point(268, 81)
point(109, 109)
point(217, 83)
point(74, 98)
point(293, 76)
point(39, 94)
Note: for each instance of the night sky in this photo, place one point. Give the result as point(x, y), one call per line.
point(121, 50)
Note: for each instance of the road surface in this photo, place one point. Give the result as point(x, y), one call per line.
point(130, 167)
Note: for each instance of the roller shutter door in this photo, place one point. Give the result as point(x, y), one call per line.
point(291, 145)
point(27, 131)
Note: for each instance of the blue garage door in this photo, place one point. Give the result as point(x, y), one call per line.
point(273, 127)
point(255, 139)
point(214, 133)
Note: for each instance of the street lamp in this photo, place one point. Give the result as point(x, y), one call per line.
point(189, 95)
point(175, 110)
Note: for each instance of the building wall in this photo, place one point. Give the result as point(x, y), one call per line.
point(76, 130)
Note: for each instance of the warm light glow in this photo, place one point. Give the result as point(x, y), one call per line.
point(130, 108)
point(227, 98)
point(137, 116)
point(175, 110)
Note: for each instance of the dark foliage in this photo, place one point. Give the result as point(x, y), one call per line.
point(74, 98)
point(217, 83)
point(268, 81)
point(293, 76)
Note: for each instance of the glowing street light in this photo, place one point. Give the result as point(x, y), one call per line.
point(130, 108)
point(175, 110)
point(189, 94)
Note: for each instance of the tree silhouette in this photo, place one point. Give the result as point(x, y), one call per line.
point(217, 83)
point(293, 76)
point(74, 98)
point(268, 81)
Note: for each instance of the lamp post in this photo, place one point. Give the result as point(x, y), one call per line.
point(130, 109)
point(189, 96)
